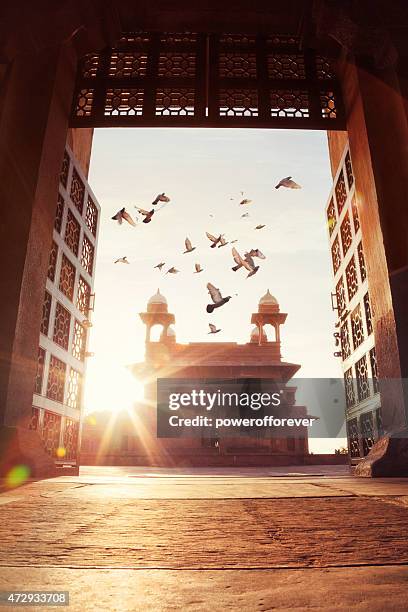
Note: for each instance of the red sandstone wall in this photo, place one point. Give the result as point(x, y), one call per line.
point(80, 141)
point(336, 142)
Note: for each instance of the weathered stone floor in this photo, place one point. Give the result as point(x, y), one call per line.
point(250, 539)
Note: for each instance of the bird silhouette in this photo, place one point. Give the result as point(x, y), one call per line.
point(198, 268)
point(245, 215)
point(160, 265)
point(244, 262)
point(245, 201)
point(213, 329)
point(122, 214)
point(123, 260)
point(172, 270)
point(189, 247)
point(258, 227)
point(223, 242)
point(160, 198)
point(148, 214)
point(288, 183)
point(256, 253)
point(213, 239)
point(253, 269)
point(216, 297)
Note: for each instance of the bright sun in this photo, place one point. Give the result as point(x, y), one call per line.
point(110, 386)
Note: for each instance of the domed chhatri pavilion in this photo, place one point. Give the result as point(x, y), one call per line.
point(259, 358)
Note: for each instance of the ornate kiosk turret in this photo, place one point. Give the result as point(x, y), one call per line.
point(268, 314)
point(157, 314)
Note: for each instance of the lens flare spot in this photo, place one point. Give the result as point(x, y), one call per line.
point(17, 475)
point(61, 452)
point(91, 420)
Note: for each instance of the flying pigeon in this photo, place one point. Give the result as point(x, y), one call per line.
point(245, 201)
point(216, 298)
point(122, 214)
point(288, 183)
point(260, 226)
point(172, 270)
point(122, 260)
point(213, 329)
point(253, 269)
point(234, 241)
point(160, 198)
point(223, 242)
point(189, 247)
point(146, 213)
point(198, 268)
point(247, 263)
point(160, 265)
point(245, 215)
point(213, 239)
point(256, 253)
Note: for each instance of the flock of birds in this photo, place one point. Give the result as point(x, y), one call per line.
point(247, 261)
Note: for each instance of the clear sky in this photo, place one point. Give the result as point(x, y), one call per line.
point(201, 170)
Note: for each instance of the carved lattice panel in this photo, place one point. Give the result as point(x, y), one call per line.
point(214, 80)
point(361, 261)
point(40, 371)
point(78, 341)
point(349, 170)
point(74, 389)
point(51, 432)
point(351, 278)
point(72, 233)
point(368, 317)
point(357, 328)
point(336, 254)
point(374, 370)
point(91, 216)
point(67, 278)
point(77, 192)
point(367, 431)
point(62, 323)
point(363, 387)
point(341, 193)
point(84, 296)
point(349, 388)
point(353, 438)
point(346, 235)
point(331, 216)
point(46, 311)
point(345, 341)
point(64, 170)
point(52, 262)
point(56, 379)
point(340, 297)
point(35, 418)
point(59, 213)
point(71, 433)
point(356, 218)
point(87, 255)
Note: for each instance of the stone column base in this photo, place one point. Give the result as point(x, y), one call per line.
point(388, 457)
point(20, 446)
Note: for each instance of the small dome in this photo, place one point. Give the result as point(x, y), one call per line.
point(255, 335)
point(268, 299)
point(157, 303)
point(171, 333)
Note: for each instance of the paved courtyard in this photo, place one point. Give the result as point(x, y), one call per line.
point(217, 539)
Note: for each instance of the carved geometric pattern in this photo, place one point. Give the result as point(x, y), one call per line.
point(52, 262)
point(346, 235)
point(237, 39)
point(74, 389)
point(51, 432)
point(72, 233)
point(78, 341)
point(127, 65)
point(349, 170)
point(340, 296)
point(363, 387)
point(351, 277)
point(286, 66)
point(84, 102)
point(62, 325)
point(328, 105)
point(237, 65)
point(349, 388)
point(64, 169)
point(126, 102)
point(238, 103)
point(324, 69)
point(59, 213)
point(356, 218)
point(87, 255)
point(341, 194)
point(40, 371)
point(91, 216)
point(35, 418)
point(353, 438)
point(374, 370)
point(90, 65)
point(331, 217)
point(134, 38)
point(361, 261)
point(46, 311)
point(174, 38)
point(71, 431)
point(289, 103)
point(367, 431)
point(336, 254)
point(345, 341)
point(67, 278)
point(77, 191)
point(367, 308)
point(357, 327)
point(56, 379)
point(84, 296)
point(177, 65)
point(175, 102)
